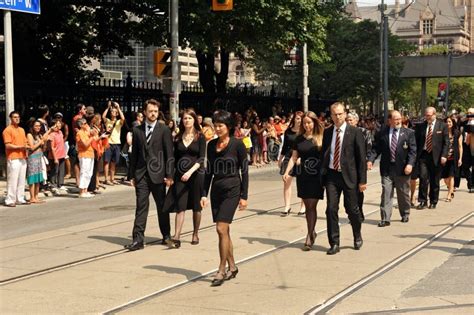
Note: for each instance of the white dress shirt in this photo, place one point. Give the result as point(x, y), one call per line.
point(148, 129)
point(390, 135)
point(428, 128)
point(333, 145)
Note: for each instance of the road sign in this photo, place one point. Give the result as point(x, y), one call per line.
point(26, 6)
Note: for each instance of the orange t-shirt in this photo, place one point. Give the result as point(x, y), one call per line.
point(16, 136)
point(83, 151)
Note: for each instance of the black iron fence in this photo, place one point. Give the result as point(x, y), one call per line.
point(63, 97)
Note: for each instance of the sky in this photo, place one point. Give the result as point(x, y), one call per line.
point(375, 2)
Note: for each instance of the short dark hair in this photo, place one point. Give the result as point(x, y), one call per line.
point(224, 117)
point(153, 102)
point(15, 112)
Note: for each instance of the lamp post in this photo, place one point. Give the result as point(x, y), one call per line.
point(446, 103)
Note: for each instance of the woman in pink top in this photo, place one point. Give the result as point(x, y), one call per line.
point(57, 156)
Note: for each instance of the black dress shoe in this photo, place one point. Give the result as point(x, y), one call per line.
point(134, 246)
point(383, 224)
point(432, 206)
point(421, 206)
point(333, 250)
point(358, 243)
point(405, 219)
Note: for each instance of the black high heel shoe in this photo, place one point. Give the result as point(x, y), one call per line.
point(285, 213)
point(175, 244)
point(307, 247)
point(232, 274)
point(218, 282)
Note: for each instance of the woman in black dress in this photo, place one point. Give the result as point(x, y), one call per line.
point(285, 155)
point(307, 147)
point(189, 151)
point(452, 166)
point(227, 168)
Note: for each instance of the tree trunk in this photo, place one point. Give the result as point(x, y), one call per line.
point(206, 71)
point(221, 78)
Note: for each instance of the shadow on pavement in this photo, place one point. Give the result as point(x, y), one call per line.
point(189, 274)
point(113, 239)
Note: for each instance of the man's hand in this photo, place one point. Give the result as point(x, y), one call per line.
point(169, 182)
point(203, 202)
point(408, 169)
point(369, 165)
point(242, 204)
point(56, 161)
point(459, 162)
point(443, 160)
point(132, 182)
point(362, 187)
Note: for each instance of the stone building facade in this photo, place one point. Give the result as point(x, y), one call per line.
point(426, 23)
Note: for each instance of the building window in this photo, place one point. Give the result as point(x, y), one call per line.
point(428, 27)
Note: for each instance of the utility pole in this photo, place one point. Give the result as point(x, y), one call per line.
point(175, 75)
point(385, 83)
point(450, 61)
point(9, 90)
point(305, 77)
point(380, 96)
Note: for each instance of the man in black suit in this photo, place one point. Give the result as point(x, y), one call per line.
point(432, 143)
point(397, 145)
point(344, 170)
point(151, 169)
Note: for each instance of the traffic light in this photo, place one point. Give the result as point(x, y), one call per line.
point(222, 5)
point(162, 64)
point(442, 91)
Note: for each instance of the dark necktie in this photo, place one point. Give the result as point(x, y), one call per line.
point(429, 140)
point(393, 145)
point(337, 151)
point(150, 131)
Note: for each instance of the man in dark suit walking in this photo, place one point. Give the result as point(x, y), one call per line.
point(397, 145)
point(151, 169)
point(344, 170)
point(432, 143)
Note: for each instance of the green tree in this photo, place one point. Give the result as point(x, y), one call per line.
point(59, 43)
point(250, 28)
point(353, 72)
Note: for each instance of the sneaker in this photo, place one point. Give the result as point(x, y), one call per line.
point(63, 188)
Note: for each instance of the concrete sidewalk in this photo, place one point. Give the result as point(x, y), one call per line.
point(276, 277)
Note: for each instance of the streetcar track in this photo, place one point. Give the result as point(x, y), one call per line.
point(204, 275)
point(117, 252)
point(326, 306)
point(321, 308)
point(94, 228)
point(108, 254)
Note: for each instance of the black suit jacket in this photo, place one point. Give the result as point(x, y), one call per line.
point(155, 157)
point(405, 152)
point(440, 142)
point(353, 156)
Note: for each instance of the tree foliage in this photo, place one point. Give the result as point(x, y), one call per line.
point(58, 44)
point(353, 72)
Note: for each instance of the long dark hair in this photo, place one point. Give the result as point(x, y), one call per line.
point(292, 122)
point(32, 128)
point(197, 127)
